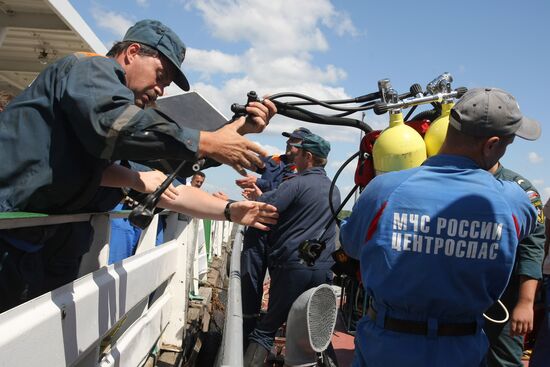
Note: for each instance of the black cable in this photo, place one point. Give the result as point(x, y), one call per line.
point(302, 114)
point(428, 114)
point(410, 113)
point(335, 217)
point(365, 98)
point(314, 101)
point(333, 183)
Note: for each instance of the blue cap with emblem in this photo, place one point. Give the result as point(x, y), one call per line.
point(155, 34)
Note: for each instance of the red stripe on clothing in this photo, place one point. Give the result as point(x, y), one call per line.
point(374, 223)
point(516, 224)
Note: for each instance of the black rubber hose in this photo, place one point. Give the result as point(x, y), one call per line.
point(428, 114)
point(333, 183)
point(361, 99)
point(410, 113)
point(334, 217)
point(298, 113)
point(314, 101)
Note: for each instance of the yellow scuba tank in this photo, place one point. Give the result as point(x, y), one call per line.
point(435, 135)
point(398, 147)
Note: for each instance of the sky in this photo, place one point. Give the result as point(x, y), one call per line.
point(340, 49)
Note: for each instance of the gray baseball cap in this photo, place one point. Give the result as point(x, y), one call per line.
point(155, 34)
point(492, 112)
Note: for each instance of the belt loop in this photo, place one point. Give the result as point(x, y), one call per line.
point(432, 328)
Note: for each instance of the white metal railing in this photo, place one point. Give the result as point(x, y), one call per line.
point(114, 315)
point(231, 352)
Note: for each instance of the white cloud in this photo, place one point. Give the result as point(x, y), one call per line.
point(271, 150)
point(143, 3)
point(350, 168)
point(535, 158)
point(538, 182)
point(281, 37)
point(212, 62)
point(342, 24)
point(116, 23)
point(275, 26)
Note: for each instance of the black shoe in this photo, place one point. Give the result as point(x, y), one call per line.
point(255, 355)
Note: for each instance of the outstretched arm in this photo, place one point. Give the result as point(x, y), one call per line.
point(200, 204)
point(119, 176)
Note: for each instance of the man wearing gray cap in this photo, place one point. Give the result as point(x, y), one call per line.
point(82, 113)
point(437, 242)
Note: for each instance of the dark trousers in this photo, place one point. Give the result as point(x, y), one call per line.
point(25, 275)
point(541, 351)
point(286, 286)
point(253, 270)
point(504, 350)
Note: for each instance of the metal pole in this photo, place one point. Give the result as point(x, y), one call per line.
point(361, 134)
point(232, 344)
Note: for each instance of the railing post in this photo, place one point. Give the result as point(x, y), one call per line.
point(191, 248)
point(201, 255)
point(148, 237)
point(172, 338)
point(217, 241)
point(98, 256)
point(231, 352)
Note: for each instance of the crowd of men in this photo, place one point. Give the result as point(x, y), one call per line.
point(70, 140)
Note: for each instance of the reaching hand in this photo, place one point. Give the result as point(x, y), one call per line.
point(227, 146)
point(148, 182)
point(259, 114)
point(252, 193)
point(248, 181)
point(253, 214)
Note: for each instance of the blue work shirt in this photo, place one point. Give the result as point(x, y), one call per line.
point(77, 117)
point(277, 169)
point(303, 206)
point(436, 244)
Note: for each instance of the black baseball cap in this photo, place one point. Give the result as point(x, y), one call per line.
point(492, 112)
point(155, 34)
point(299, 133)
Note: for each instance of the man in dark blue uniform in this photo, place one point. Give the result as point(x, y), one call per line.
point(303, 206)
point(81, 114)
point(254, 256)
point(437, 243)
